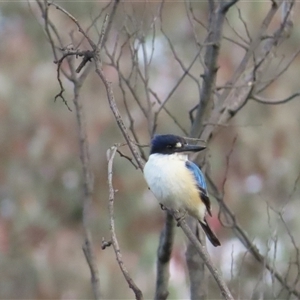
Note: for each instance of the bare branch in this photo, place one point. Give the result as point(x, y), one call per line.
point(107, 84)
point(44, 9)
point(93, 45)
point(84, 152)
point(128, 158)
point(266, 83)
point(163, 258)
point(92, 263)
point(88, 182)
point(117, 115)
point(196, 267)
point(213, 110)
point(173, 118)
point(226, 6)
point(106, 29)
point(244, 25)
point(246, 74)
point(131, 119)
point(274, 102)
point(250, 246)
point(186, 72)
point(204, 255)
point(210, 71)
point(238, 34)
point(110, 157)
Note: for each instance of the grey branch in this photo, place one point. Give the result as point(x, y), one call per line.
point(262, 100)
point(164, 252)
point(117, 115)
point(110, 155)
point(216, 22)
point(227, 5)
point(251, 247)
point(83, 147)
point(248, 74)
point(204, 255)
point(88, 191)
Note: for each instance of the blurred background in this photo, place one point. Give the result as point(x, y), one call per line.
point(41, 179)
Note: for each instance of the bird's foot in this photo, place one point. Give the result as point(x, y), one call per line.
point(180, 216)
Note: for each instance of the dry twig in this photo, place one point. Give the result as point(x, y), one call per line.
point(250, 246)
point(110, 157)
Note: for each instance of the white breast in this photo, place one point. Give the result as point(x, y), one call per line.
point(170, 181)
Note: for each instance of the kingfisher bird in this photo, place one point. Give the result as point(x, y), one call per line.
point(176, 182)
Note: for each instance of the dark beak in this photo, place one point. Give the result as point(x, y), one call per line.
point(191, 148)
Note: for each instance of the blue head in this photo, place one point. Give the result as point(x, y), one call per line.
point(170, 144)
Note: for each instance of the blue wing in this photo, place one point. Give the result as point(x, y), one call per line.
point(199, 177)
point(197, 173)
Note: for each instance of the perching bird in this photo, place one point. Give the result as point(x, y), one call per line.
point(176, 182)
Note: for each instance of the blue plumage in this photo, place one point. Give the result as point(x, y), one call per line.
point(176, 182)
point(198, 175)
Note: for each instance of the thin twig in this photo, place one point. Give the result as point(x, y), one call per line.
point(83, 148)
point(117, 115)
point(262, 100)
point(45, 14)
point(250, 246)
point(93, 45)
point(128, 158)
point(110, 156)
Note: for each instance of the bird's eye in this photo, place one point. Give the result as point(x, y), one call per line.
point(169, 146)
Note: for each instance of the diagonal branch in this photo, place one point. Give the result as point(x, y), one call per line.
point(251, 247)
point(204, 255)
point(248, 73)
point(112, 103)
point(80, 29)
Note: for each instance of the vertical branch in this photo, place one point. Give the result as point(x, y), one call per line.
point(216, 21)
point(217, 14)
point(83, 149)
point(196, 266)
point(110, 157)
point(87, 192)
point(164, 252)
